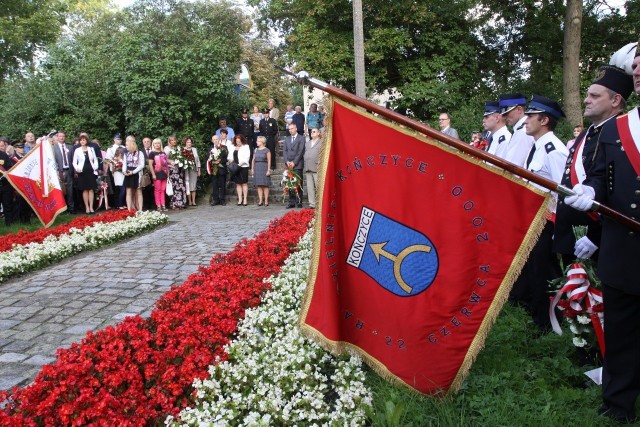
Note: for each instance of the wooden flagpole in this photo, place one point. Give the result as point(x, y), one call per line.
point(304, 79)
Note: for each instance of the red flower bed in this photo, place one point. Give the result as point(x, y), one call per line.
point(140, 371)
point(23, 237)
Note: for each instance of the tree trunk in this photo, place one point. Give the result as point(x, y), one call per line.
point(571, 60)
point(358, 48)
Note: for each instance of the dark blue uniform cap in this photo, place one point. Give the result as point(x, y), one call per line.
point(540, 104)
point(509, 101)
point(491, 107)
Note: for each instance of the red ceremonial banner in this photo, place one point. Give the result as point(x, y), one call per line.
point(35, 177)
point(416, 248)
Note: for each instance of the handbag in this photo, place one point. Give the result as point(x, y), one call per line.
point(233, 169)
point(169, 189)
point(145, 181)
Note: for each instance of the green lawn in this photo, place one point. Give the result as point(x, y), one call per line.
point(35, 224)
point(519, 379)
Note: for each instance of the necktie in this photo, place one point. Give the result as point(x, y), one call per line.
point(63, 150)
point(533, 150)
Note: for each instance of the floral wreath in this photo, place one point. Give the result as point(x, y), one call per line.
point(579, 298)
point(291, 181)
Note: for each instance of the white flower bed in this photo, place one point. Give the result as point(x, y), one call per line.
point(24, 258)
point(274, 375)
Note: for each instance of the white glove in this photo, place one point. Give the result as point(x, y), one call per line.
point(584, 248)
point(583, 199)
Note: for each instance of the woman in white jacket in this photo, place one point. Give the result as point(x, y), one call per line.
point(85, 163)
point(132, 168)
point(241, 155)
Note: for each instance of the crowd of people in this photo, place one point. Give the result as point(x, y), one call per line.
point(163, 176)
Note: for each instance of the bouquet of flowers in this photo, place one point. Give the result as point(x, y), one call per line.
point(482, 144)
point(116, 164)
point(291, 181)
point(182, 158)
point(214, 156)
point(579, 298)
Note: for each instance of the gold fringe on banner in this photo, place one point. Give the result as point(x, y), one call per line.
point(502, 294)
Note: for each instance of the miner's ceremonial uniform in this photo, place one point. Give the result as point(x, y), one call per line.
point(546, 158)
point(616, 181)
point(580, 162)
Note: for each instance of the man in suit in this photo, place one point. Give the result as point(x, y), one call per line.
point(606, 99)
point(444, 121)
point(293, 155)
point(615, 181)
point(63, 153)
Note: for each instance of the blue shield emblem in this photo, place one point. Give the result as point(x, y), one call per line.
point(400, 259)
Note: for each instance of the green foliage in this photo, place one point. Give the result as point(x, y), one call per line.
point(268, 82)
point(422, 49)
point(26, 26)
point(156, 68)
point(519, 378)
point(446, 56)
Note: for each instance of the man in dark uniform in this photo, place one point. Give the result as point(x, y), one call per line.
point(615, 181)
point(606, 99)
point(6, 190)
point(245, 126)
point(546, 158)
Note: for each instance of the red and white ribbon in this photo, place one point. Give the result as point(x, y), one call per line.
point(103, 196)
point(582, 298)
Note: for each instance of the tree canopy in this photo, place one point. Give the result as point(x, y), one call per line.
point(158, 67)
point(444, 55)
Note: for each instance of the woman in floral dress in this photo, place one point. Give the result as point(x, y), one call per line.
point(192, 173)
point(176, 175)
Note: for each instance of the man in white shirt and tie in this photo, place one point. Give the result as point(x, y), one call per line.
point(493, 122)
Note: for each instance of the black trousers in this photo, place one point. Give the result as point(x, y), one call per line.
point(271, 145)
point(621, 367)
point(7, 198)
point(531, 289)
point(67, 178)
point(219, 189)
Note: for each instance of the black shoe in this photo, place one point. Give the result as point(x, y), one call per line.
point(299, 205)
point(291, 206)
point(616, 415)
